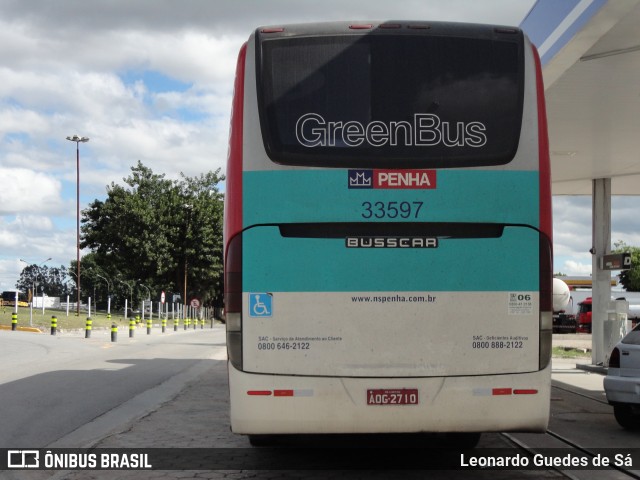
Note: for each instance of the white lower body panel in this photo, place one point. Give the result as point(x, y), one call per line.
point(280, 404)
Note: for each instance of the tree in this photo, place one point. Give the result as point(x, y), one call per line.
point(630, 279)
point(97, 280)
point(153, 230)
point(36, 278)
point(202, 247)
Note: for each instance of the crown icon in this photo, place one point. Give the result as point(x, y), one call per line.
point(360, 180)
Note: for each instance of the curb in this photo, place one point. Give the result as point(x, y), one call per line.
point(22, 329)
point(600, 369)
point(568, 348)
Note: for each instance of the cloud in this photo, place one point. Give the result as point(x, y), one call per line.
point(28, 191)
point(15, 119)
point(572, 235)
point(573, 229)
point(9, 272)
point(32, 238)
point(573, 268)
point(152, 16)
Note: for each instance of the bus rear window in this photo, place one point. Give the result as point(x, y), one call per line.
point(390, 100)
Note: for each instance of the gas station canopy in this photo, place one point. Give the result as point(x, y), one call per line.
point(590, 51)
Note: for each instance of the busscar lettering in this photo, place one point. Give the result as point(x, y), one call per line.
point(427, 130)
point(391, 242)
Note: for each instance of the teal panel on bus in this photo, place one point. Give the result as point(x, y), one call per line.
point(272, 263)
point(292, 196)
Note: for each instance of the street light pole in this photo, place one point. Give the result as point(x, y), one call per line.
point(34, 281)
point(78, 139)
point(148, 291)
point(42, 286)
point(188, 207)
point(34, 292)
point(131, 295)
point(108, 294)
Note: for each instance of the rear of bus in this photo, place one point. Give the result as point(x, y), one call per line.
point(388, 231)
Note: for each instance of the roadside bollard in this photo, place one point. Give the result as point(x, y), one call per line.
point(185, 322)
point(164, 324)
point(14, 321)
point(54, 324)
point(148, 326)
point(114, 332)
point(87, 329)
point(137, 319)
point(195, 323)
point(108, 317)
point(132, 327)
point(176, 321)
point(202, 324)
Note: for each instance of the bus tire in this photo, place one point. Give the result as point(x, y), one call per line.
point(464, 441)
point(261, 440)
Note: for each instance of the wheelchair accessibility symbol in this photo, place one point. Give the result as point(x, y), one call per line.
point(260, 304)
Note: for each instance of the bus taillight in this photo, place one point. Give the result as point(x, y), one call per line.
point(546, 223)
point(233, 300)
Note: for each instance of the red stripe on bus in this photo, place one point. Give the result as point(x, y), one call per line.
point(283, 393)
point(233, 194)
point(259, 392)
point(525, 391)
point(501, 391)
point(543, 152)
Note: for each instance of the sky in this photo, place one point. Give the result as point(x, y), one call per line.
point(152, 80)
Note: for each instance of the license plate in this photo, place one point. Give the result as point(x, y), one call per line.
point(392, 396)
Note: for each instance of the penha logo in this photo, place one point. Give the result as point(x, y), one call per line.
point(360, 178)
point(393, 179)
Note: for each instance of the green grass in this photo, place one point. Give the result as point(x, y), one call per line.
point(99, 319)
point(562, 352)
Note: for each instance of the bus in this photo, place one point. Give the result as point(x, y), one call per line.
point(387, 232)
point(9, 298)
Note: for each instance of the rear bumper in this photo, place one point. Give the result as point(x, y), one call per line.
point(622, 389)
point(279, 404)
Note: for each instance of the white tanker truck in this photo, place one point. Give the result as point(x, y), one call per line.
point(572, 309)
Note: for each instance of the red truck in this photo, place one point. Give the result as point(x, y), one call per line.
point(584, 316)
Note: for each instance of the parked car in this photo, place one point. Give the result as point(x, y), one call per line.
point(622, 383)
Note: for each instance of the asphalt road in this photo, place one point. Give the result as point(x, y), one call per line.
point(52, 385)
point(170, 392)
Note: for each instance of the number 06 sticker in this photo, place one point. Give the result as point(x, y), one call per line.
point(520, 303)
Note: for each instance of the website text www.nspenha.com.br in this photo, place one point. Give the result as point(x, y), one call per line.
point(394, 299)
